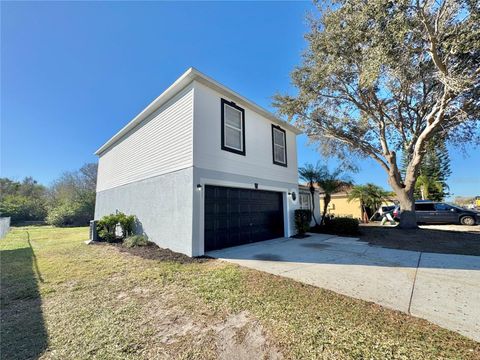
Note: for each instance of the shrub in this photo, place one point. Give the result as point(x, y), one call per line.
point(68, 213)
point(106, 226)
point(61, 215)
point(136, 240)
point(302, 220)
point(342, 226)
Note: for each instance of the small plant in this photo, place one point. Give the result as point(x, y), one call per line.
point(135, 240)
point(107, 226)
point(302, 220)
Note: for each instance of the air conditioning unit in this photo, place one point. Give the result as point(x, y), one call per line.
point(93, 230)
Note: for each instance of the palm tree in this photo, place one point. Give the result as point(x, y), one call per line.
point(331, 183)
point(369, 195)
point(429, 187)
point(310, 174)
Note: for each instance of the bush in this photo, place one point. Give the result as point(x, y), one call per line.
point(68, 213)
point(136, 240)
point(302, 220)
point(62, 215)
point(339, 226)
point(107, 225)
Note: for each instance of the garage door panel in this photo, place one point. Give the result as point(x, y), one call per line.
point(241, 216)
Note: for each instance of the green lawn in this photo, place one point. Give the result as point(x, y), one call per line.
point(62, 299)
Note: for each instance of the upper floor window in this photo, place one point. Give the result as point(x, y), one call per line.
point(233, 127)
point(279, 146)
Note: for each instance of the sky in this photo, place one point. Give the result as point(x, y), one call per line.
point(74, 73)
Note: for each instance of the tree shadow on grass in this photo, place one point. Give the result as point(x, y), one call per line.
point(23, 332)
point(423, 239)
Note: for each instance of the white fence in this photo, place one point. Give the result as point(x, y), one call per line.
point(4, 226)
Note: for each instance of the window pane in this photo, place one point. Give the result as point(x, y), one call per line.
point(305, 201)
point(424, 207)
point(280, 154)
point(233, 138)
point(278, 137)
point(233, 117)
point(443, 207)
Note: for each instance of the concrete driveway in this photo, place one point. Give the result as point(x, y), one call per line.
point(444, 289)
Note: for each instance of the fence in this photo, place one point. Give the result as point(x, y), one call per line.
point(4, 226)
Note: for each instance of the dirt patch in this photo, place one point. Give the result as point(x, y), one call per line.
point(207, 335)
point(422, 239)
point(239, 337)
point(153, 252)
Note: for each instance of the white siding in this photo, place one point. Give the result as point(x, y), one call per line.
point(161, 144)
point(258, 161)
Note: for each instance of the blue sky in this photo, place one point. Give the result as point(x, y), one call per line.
point(72, 74)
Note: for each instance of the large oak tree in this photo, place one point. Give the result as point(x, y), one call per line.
point(381, 78)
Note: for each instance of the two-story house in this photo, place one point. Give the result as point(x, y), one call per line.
point(202, 168)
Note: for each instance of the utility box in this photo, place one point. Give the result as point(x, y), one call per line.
point(93, 230)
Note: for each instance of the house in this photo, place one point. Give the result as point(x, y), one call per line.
point(339, 206)
point(305, 202)
point(202, 168)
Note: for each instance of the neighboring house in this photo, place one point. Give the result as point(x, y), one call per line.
point(339, 206)
point(202, 168)
point(305, 202)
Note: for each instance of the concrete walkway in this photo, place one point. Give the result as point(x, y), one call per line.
point(444, 289)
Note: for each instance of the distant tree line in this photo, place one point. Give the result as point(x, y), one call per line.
point(68, 201)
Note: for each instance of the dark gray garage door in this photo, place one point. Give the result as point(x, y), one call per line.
point(241, 216)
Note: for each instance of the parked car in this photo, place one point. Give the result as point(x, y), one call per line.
point(431, 212)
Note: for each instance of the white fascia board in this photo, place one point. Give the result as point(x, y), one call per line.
point(186, 78)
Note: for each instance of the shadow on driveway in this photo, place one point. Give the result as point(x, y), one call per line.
point(323, 249)
point(442, 288)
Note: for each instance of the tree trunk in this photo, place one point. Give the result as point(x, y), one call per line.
point(326, 201)
point(312, 193)
point(364, 214)
point(406, 196)
point(408, 218)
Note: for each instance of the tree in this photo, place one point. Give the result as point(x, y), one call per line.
point(433, 174)
point(331, 183)
point(310, 174)
point(370, 196)
point(381, 78)
point(22, 201)
point(72, 197)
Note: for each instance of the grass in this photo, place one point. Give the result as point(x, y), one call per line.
point(62, 299)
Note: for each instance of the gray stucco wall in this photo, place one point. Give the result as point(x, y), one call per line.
point(170, 209)
point(162, 204)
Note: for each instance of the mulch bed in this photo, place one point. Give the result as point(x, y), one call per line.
point(153, 252)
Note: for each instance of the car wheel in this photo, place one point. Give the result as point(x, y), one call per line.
point(467, 220)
